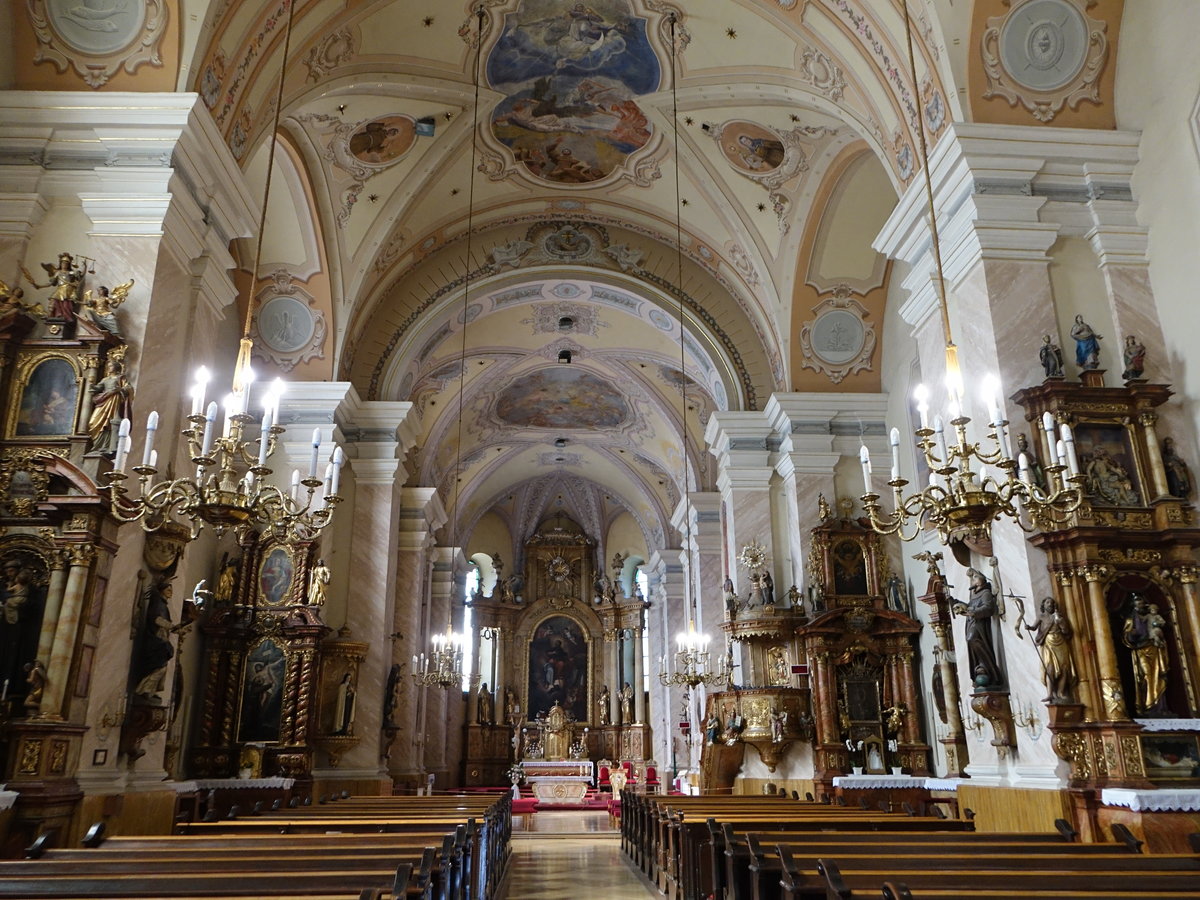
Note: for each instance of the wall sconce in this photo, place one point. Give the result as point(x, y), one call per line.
point(972, 722)
point(564, 357)
point(110, 720)
point(1027, 719)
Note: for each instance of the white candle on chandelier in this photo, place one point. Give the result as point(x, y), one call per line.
point(339, 460)
point(198, 390)
point(122, 434)
point(864, 457)
point(894, 439)
point(922, 394)
point(940, 441)
point(296, 485)
point(328, 479)
point(151, 429)
point(230, 405)
point(1069, 440)
point(210, 419)
point(1060, 451)
point(154, 459)
point(1023, 467)
point(264, 437)
point(990, 390)
point(316, 449)
point(1048, 427)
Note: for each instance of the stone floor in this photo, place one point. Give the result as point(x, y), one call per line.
point(575, 855)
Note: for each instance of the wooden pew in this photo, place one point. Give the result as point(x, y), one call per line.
point(1127, 874)
point(367, 848)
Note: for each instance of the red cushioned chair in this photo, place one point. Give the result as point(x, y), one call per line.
point(602, 782)
point(653, 785)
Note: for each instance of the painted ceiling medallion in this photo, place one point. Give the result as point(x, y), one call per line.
point(1045, 54)
point(98, 37)
point(288, 328)
point(839, 340)
point(766, 156)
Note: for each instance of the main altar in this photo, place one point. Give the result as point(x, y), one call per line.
point(559, 644)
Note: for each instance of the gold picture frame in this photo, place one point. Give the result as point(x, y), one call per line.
point(46, 398)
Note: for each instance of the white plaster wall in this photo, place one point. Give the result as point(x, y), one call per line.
point(1158, 86)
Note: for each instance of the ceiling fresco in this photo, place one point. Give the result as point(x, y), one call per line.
point(571, 79)
point(562, 397)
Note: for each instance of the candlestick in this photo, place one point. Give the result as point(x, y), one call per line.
point(151, 429)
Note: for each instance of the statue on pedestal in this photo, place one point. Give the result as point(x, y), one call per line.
point(485, 709)
point(1087, 344)
point(1133, 355)
point(626, 698)
point(604, 707)
point(1179, 477)
point(1052, 636)
point(981, 648)
point(1051, 357)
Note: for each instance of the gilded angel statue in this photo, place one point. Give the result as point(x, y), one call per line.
point(102, 305)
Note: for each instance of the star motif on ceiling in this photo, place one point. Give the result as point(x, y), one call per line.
point(427, 21)
point(731, 33)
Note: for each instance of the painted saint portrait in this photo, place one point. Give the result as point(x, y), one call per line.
point(49, 400)
point(1106, 459)
point(558, 665)
point(384, 140)
point(275, 577)
point(572, 74)
point(849, 569)
point(562, 397)
point(1171, 757)
point(752, 148)
point(262, 693)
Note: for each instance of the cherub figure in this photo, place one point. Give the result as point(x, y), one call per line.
point(102, 307)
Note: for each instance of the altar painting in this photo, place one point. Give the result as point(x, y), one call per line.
point(558, 665)
point(262, 693)
point(572, 77)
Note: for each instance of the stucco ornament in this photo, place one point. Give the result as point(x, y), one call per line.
point(839, 340)
point(98, 37)
point(288, 327)
point(769, 157)
point(1045, 54)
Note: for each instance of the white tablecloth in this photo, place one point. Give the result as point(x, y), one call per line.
point(7, 799)
point(943, 784)
point(1169, 724)
point(1152, 801)
point(872, 782)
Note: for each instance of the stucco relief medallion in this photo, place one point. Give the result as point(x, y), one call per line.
point(1045, 54)
point(840, 339)
point(98, 37)
point(288, 328)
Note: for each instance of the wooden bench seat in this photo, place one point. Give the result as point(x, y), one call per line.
point(830, 879)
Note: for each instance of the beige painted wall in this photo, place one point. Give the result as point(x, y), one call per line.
point(1158, 82)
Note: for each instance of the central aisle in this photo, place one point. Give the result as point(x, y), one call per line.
point(580, 867)
point(572, 854)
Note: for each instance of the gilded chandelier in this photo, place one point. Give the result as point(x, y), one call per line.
point(443, 667)
point(960, 501)
point(693, 662)
point(229, 487)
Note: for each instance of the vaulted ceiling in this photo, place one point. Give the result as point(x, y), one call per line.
point(442, 231)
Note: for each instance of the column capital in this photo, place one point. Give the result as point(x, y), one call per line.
point(816, 430)
point(1005, 192)
point(742, 443)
